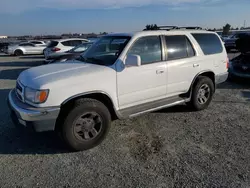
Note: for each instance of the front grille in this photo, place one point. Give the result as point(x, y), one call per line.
point(19, 87)
point(19, 96)
point(19, 91)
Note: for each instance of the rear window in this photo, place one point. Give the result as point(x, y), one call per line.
point(209, 43)
point(52, 44)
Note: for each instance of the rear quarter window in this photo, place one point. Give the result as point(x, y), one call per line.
point(52, 44)
point(209, 43)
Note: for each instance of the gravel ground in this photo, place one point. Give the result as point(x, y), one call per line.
point(169, 148)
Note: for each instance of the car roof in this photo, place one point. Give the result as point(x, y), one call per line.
point(159, 32)
point(68, 39)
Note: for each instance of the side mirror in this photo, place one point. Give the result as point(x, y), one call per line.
point(133, 61)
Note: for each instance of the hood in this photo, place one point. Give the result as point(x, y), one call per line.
point(42, 76)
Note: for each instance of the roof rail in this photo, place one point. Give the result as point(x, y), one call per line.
point(168, 28)
point(198, 28)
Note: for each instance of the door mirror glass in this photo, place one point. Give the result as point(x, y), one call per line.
point(133, 60)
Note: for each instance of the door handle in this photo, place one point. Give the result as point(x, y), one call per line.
point(159, 71)
point(196, 65)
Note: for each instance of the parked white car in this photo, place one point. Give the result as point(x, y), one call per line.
point(38, 42)
point(62, 45)
point(119, 76)
point(25, 48)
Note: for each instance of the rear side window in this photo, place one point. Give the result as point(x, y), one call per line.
point(36, 42)
point(209, 43)
point(76, 42)
point(67, 43)
point(72, 43)
point(26, 44)
point(52, 44)
point(178, 47)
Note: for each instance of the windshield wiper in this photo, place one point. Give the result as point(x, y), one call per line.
point(94, 60)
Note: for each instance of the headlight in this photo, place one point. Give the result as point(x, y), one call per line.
point(36, 96)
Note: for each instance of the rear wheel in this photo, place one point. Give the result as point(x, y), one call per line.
point(202, 93)
point(86, 125)
point(18, 53)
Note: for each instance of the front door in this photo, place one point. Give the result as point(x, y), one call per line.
point(145, 83)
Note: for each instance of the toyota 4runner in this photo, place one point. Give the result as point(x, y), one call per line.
point(120, 76)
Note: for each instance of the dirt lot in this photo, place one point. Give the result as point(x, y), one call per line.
point(169, 148)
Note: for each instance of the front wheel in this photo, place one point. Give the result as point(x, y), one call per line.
point(86, 125)
point(18, 53)
point(202, 93)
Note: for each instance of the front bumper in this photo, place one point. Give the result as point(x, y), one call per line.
point(220, 78)
point(41, 119)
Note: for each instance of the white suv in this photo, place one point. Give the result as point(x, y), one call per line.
point(120, 76)
point(62, 45)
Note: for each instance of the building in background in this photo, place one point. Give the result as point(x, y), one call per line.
point(3, 37)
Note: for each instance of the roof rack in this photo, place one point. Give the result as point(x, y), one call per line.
point(168, 28)
point(195, 28)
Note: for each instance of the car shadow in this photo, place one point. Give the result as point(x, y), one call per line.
point(235, 84)
point(32, 57)
point(14, 140)
point(175, 109)
point(4, 55)
point(11, 74)
point(21, 63)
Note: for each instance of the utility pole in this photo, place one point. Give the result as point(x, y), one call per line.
point(244, 23)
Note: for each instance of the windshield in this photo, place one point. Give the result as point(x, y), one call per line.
point(106, 50)
point(81, 47)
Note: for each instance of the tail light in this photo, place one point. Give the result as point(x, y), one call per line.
point(56, 49)
point(227, 63)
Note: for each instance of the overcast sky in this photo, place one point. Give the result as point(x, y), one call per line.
point(20, 17)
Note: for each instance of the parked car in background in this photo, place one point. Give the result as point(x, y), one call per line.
point(26, 48)
point(119, 76)
point(62, 45)
point(38, 42)
point(3, 46)
point(240, 66)
point(230, 42)
point(71, 54)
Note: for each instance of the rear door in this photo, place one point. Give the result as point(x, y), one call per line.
point(182, 64)
point(214, 54)
point(29, 48)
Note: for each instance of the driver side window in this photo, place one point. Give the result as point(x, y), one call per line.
point(148, 48)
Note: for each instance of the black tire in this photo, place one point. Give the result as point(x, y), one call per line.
point(18, 53)
point(201, 82)
point(81, 107)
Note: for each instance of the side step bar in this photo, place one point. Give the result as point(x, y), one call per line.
point(152, 106)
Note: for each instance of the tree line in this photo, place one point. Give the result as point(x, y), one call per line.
point(225, 29)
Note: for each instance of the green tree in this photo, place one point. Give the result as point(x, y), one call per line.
point(151, 27)
point(226, 29)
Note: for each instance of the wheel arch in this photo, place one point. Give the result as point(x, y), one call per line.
point(101, 96)
point(19, 49)
point(208, 73)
